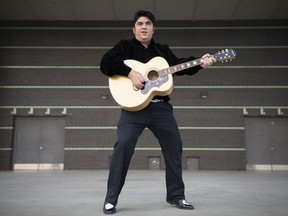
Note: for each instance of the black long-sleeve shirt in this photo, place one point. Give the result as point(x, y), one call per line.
point(112, 62)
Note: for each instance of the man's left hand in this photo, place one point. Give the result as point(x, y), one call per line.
point(207, 60)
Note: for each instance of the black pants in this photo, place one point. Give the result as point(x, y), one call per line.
point(158, 117)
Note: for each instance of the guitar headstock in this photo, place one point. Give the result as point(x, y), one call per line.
point(225, 55)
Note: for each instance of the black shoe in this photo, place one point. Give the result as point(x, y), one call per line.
point(181, 204)
point(109, 208)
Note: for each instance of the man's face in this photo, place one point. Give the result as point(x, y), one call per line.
point(143, 30)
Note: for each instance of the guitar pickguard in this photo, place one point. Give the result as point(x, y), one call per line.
point(151, 84)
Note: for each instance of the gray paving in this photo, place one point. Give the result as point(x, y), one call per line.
point(77, 193)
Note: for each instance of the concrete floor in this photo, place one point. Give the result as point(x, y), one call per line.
point(77, 193)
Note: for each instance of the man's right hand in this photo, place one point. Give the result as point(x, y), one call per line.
point(137, 79)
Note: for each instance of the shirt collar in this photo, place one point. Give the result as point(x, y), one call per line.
point(138, 42)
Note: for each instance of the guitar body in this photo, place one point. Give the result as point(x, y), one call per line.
point(132, 99)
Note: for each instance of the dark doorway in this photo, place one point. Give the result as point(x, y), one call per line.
point(266, 143)
point(39, 143)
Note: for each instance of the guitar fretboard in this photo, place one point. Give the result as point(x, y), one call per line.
point(180, 67)
point(224, 55)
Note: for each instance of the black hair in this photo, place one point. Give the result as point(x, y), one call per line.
point(144, 13)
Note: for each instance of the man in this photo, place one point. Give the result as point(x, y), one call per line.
point(157, 116)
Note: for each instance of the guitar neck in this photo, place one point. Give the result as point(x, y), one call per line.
point(179, 67)
point(224, 55)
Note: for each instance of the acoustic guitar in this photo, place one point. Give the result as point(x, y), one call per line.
point(158, 80)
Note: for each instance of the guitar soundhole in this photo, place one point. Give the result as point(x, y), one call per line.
point(153, 76)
